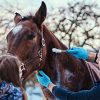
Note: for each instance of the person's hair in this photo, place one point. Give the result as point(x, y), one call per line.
point(9, 70)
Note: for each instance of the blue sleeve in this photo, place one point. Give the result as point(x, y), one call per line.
point(62, 94)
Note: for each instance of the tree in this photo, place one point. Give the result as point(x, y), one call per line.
point(6, 22)
point(77, 24)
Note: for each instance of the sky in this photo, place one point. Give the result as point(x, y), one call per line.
point(32, 5)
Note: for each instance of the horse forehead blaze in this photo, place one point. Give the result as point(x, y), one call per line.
point(17, 29)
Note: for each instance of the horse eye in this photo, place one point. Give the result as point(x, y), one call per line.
point(31, 36)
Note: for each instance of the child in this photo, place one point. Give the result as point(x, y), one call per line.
point(10, 79)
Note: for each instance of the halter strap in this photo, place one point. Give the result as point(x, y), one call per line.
point(43, 40)
point(42, 51)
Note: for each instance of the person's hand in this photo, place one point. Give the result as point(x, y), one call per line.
point(43, 79)
point(79, 52)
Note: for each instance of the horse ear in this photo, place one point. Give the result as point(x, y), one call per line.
point(41, 14)
point(17, 18)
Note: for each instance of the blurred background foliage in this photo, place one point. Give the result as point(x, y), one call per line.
point(77, 24)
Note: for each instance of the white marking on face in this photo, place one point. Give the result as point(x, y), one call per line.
point(17, 29)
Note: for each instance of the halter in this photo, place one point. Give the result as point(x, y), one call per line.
point(41, 54)
point(41, 51)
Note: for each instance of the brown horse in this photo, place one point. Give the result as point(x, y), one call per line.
point(32, 42)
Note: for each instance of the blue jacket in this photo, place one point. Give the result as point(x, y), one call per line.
point(9, 92)
point(92, 94)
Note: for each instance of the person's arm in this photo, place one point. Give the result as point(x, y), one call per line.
point(82, 53)
point(58, 92)
point(46, 82)
point(65, 94)
point(92, 56)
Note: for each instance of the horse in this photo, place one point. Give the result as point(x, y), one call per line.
point(32, 42)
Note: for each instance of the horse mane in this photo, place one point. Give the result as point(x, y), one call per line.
point(52, 37)
point(48, 33)
point(68, 61)
point(56, 43)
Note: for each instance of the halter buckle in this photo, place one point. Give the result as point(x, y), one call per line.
point(43, 42)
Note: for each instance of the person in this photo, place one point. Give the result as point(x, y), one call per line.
point(82, 53)
point(66, 94)
point(10, 79)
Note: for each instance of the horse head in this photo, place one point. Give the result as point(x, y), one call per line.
point(26, 40)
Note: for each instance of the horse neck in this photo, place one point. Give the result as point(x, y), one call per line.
point(56, 64)
point(53, 42)
point(51, 38)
